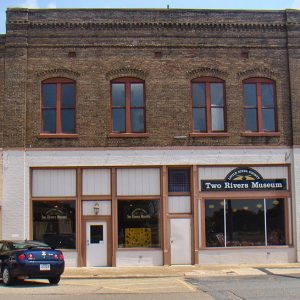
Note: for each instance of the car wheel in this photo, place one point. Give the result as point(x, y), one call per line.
point(6, 276)
point(54, 280)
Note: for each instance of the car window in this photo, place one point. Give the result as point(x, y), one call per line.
point(18, 246)
point(5, 247)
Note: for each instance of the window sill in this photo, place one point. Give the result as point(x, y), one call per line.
point(57, 136)
point(139, 249)
point(128, 135)
point(209, 134)
point(258, 134)
point(247, 247)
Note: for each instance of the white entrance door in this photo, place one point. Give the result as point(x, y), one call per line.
point(181, 242)
point(96, 241)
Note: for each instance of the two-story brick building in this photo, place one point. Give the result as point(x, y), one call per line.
point(152, 137)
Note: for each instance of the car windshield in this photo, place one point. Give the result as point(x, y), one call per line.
point(29, 244)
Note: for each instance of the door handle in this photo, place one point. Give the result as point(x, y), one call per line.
point(87, 242)
point(172, 241)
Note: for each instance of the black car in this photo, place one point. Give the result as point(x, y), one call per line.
point(30, 259)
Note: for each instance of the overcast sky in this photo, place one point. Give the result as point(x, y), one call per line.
point(213, 4)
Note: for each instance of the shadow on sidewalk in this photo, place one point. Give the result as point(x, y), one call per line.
point(267, 271)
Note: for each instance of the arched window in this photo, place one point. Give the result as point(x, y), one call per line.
point(259, 105)
point(208, 98)
point(127, 105)
point(58, 106)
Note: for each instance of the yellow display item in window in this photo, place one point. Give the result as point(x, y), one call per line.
point(137, 237)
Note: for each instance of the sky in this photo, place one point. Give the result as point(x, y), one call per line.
point(197, 4)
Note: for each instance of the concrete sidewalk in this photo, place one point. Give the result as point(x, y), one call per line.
point(182, 271)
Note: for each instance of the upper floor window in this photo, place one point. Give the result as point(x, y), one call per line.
point(128, 105)
point(259, 105)
point(208, 105)
point(58, 106)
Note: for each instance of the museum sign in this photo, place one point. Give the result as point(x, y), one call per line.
point(243, 179)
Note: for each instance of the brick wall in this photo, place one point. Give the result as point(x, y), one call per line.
point(110, 42)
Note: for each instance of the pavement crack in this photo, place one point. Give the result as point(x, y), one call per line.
point(232, 295)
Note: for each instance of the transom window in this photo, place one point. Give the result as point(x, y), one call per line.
point(208, 105)
point(179, 180)
point(58, 105)
point(128, 105)
point(259, 105)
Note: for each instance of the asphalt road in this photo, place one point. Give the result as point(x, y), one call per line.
point(275, 287)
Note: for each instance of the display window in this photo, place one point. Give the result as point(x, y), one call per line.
point(54, 223)
point(245, 222)
point(138, 224)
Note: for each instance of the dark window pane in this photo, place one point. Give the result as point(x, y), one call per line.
point(250, 94)
point(137, 120)
point(118, 94)
point(268, 119)
point(179, 180)
point(137, 95)
point(49, 95)
point(267, 95)
point(245, 224)
point(49, 120)
point(275, 221)
point(198, 94)
point(118, 119)
point(96, 234)
point(216, 94)
point(217, 119)
point(250, 119)
point(68, 120)
point(68, 95)
point(138, 224)
point(54, 223)
point(214, 223)
point(199, 118)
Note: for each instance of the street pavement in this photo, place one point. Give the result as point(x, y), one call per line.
point(182, 271)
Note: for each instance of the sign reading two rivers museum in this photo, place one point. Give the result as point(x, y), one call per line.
point(243, 179)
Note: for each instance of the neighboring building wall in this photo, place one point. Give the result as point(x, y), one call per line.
point(2, 62)
point(294, 67)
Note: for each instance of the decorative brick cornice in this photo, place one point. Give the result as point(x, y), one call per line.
point(201, 26)
point(59, 72)
point(126, 72)
point(206, 71)
point(257, 72)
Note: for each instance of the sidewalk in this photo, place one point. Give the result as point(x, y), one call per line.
point(182, 271)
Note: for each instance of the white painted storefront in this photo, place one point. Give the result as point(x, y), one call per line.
point(134, 180)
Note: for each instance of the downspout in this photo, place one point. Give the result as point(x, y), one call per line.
point(26, 229)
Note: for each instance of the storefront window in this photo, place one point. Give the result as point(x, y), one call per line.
point(138, 224)
point(245, 223)
point(275, 221)
point(239, 222)
point(214, 221)
point(54, 223)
